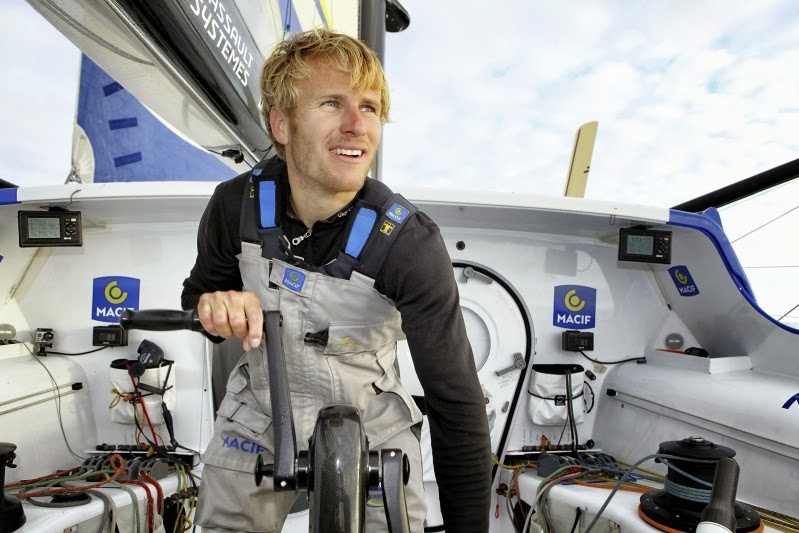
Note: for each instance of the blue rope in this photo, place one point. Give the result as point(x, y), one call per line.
point(687, 493)
point(630, 471)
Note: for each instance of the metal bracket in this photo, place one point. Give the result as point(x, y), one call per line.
point(518, 364)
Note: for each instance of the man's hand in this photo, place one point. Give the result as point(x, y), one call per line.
point(232, 314)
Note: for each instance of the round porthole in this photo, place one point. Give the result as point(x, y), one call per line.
point(479, 338)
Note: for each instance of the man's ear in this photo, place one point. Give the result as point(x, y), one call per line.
point(280, 125)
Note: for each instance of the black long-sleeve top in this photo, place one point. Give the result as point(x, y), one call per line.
point(417, 277)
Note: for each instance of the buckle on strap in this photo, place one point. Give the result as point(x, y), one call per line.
point(236, 410)
point(318, 338)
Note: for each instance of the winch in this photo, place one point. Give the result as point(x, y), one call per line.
point(679, 506)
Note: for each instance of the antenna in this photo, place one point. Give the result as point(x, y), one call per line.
point(581, 160)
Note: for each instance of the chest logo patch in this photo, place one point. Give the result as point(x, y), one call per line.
point(347, 342)
point(387, 228)
point(397, 213)
point(293, 279)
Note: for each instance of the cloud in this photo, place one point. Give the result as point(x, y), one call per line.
point(689, 99)
point(39, 95)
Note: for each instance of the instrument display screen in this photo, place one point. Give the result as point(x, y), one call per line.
point(44, 228)
point(49, 228)
point(645, 245)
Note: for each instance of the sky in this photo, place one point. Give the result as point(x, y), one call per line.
point(689, 96)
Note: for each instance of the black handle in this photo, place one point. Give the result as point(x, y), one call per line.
point(395, 473)
point(160, 320)
point(170, 427)
point(285, 473)
point(721, 508)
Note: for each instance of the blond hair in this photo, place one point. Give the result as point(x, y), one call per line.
point(288, 64)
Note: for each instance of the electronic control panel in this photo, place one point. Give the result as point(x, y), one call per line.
point(645, 245)
point(49, 228)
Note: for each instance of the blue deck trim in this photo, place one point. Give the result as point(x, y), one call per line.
point(709, 223)
point(8, 196)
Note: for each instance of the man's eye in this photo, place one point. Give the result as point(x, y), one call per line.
point(330, 103)
point(369, 108)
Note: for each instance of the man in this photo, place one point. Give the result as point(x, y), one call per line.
point(352, 268)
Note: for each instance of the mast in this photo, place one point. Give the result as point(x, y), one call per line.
point(377, 17)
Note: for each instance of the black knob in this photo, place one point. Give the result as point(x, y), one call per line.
point(262, 470)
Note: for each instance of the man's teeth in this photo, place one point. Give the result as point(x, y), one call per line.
point(342, 151)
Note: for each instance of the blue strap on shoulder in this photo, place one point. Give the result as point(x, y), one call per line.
point(361, 229)
point(267, 192)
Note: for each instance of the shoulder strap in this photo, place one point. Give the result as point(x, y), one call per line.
point(262, 208)
point(362, 226)
point(378, 219)
point(393, 215)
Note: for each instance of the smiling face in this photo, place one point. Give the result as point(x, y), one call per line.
point(332, 135)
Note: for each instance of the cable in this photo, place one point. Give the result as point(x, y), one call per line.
point(58, 402)
point(109, 511)
point(150, 506)
point(159, 491)
point(235, 155)
point(636, 359)
point(545, 493)
point(788, 313)
point(610, 485)
point(51, 505)
point(53, 481)
point(570, 413)
point(134, 500)
point(764, 225)
point(577, 516)
point(540, 492)
point(287, 20)
point(79, 353)
point(76, 385)
point(138, 396)
point(629, 471)
point(118, 470)
point(27, 482)
point(593, 398)
point(562, 431)
point(164, 453)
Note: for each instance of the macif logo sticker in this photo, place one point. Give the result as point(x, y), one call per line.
point(574, 307)
point(293, 279)
point(244, 445)
point(375, 498)
point(113, 294)
point(683, 281)
point(397, 213)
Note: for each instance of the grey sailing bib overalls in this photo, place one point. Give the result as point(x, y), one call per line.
point(339, 341)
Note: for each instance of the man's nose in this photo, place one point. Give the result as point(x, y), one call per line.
point(352, 122)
